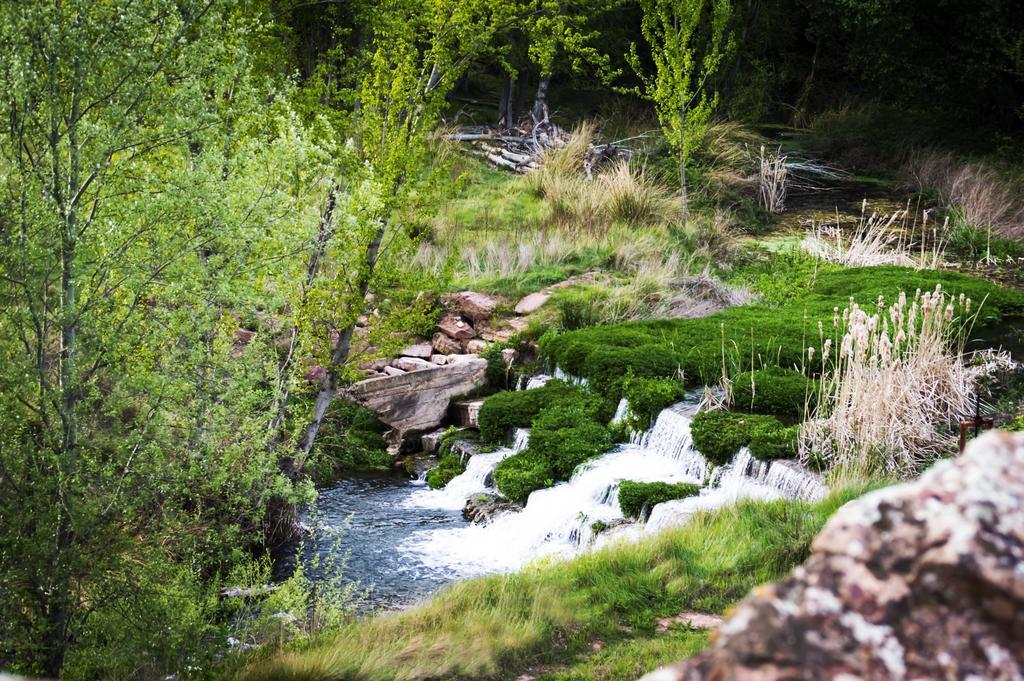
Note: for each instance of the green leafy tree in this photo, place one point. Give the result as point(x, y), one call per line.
point(415, 54)
point(149, 175)
point(688, 40)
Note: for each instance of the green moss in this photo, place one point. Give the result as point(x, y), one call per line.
point(634, 497)
point(517, 409)
point(779, 333)
point(718, 434)
point(441, 474)
point(648, 396)
point(566, 436)
point(775, 390)
point(522, 473)
point(774, 442)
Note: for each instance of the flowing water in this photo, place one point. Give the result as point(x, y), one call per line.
point(406, 541)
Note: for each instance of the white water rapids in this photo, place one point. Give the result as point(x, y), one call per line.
point(557, 521)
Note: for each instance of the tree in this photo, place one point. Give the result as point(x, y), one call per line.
point(141, 180)
point(415, 54)
point(688, 40)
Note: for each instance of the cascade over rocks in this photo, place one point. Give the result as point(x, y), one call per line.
point(924, 580)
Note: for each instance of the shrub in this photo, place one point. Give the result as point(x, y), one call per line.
point(441, 474)
point(634, 497)
point(520, 474)
point(581, 308)
point(773, 441)
point(718, 435)
point(567, 435)
point(352, 437)
point(517, 409)
point(775, 390)
point(648, 396)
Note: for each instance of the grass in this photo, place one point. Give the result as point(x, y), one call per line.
point(493, 627)
point(630, 659)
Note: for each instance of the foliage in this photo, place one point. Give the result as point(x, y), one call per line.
point(774, 390)
point(447, 468)
point(494, 626)
point(566, 435)
point(353, 438)
point(648, 396)
point(719, 435)
point(687, 42)
point(517, 409)
point(522, 473)
point(772, 441)
point(634, 497)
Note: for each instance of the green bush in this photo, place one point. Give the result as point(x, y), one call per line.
point(351, 437)
point(648, 396)
point(517, 408)
point(520, 474)
point(447, 468)
point(565, 436)
point(634, 497)
point(775, 390)
point(772, 441)
point(718, 435)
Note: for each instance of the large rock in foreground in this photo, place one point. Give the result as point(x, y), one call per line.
point(924, 580)
point(418, 401)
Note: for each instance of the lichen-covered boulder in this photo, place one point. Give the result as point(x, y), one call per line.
point(923, 580)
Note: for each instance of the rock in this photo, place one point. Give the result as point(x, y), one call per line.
point(421, 350)
point(923, 580)
point(430, 441)
point(475, 306)
point(475, 346)
point(445, 345)
point(509, 355)
point(418, 401)
point(483, 508)
point(244, 336)
point(693, 620)
point(393, 371)
point(439, 359)
point(373, 364)
point(517, 325)
point(454, 326)
point(466, 448)
point(532, 302)
point(492, 334)
point(455, 359)
point(466, 413)
point(412, 364)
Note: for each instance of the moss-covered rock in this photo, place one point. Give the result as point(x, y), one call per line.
point(774, 390)
point(718, 434)
point(634, 497)
point(517, 408)
point(522, 473)
point(648, 396)
point(447, 468)
point(772, 441)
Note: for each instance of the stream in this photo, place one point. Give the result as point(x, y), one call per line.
point(405, 541)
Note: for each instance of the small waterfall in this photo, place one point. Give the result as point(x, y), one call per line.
point(520, 438)
point(557, 521)
point(670, 436)
point(569, 378)
point(533, 382)
point(621, 411)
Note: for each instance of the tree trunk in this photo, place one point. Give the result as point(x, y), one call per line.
point(540, 103)
point(799, 117)
point(339, 356)
point(682, 163)
point(325, 231)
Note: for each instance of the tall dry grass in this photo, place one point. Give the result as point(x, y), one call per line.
point(891, 239)
point(771, 180)
point(898, 378)
point(984, 198)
